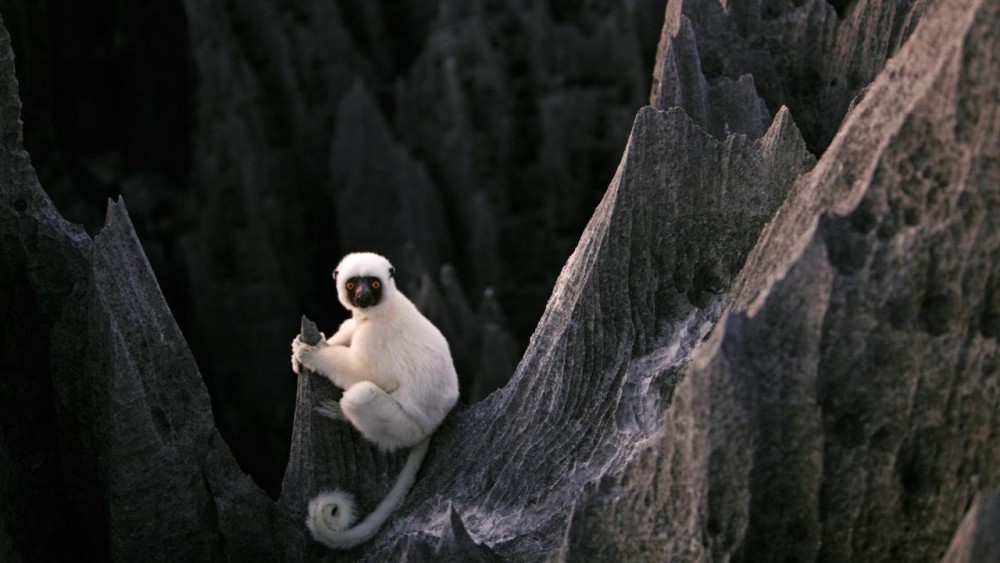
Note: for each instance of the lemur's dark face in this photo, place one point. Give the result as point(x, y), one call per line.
point(364, 291)
point(364, 282)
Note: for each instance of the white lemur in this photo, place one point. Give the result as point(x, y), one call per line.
point(399, 383)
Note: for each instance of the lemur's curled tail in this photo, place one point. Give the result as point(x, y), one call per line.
point(331, 514)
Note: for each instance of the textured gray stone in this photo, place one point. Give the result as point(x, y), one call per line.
point(369, 169)
point(41, 259)
point(482, 347)
point(845, 409)
point(109, 445)
point(519, 111)
point(645, 284)
point(737, 362)
point(728, 63)
point(978, 537)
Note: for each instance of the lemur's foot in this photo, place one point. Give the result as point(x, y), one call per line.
point(330, 409)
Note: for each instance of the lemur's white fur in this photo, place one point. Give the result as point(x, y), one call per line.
point(399, 383)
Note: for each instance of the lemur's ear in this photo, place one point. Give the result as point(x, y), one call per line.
point(335, 275)
point(392, 272)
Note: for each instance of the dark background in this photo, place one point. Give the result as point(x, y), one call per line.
point(256, 142)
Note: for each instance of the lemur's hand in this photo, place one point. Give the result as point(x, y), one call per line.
point(303, 354)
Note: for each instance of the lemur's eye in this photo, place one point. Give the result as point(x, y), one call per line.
point(350, 286)
point(376, 284)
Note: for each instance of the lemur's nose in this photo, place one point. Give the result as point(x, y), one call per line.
point(363, 296)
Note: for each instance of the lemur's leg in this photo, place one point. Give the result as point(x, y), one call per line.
point(330, 409)
point(379, 417)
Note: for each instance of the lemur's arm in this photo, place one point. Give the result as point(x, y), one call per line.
point(336, 363)
point(344, 334)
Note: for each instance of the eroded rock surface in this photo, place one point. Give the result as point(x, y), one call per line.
point(109, 447)
point(731, 64)
point(645, 284)
point(738, 362)
point(976, 540)
point(846, 407)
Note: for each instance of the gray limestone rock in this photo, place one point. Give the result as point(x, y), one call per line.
point(728, 63)
point(519, 111)
point(385, 201)
point(977, 540)
point(109, 447)
point(750, 356)
point(845, 408)
point(644, 286)
point(484, 352)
